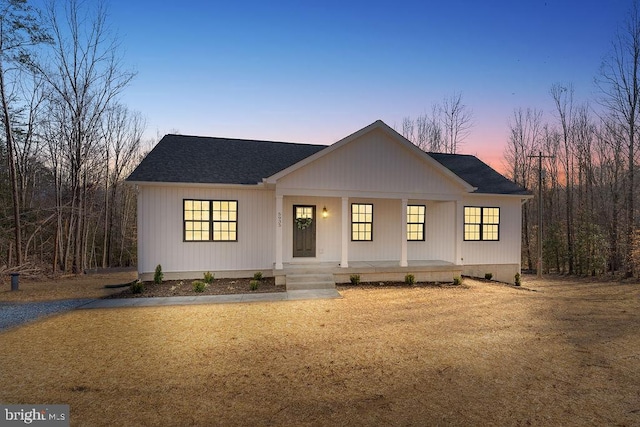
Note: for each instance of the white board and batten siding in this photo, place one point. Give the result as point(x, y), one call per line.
point(507, 249)
point(161, 239)
point(439, 243)
point(378, 169)
point(373, 165)
point(328, 230)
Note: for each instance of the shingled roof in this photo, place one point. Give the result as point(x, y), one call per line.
point(195, 159)
point(478, 174)
point(206, 160)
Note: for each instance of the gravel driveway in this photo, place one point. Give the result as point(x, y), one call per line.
point(17, 313)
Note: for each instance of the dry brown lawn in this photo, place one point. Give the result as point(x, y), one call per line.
point(561, 353)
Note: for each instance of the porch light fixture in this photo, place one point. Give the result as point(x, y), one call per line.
point(325, 213)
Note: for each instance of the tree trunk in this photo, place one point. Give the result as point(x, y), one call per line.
point(12, 169)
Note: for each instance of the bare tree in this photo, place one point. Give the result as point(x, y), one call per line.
point(619, 83)
point(443, 130)
point(85, 78)
point(609, 181)
point(563, 99)
point(122, 135)
point(524, 142)
point(20, 29)
point(457, 121)
point(554, 245)
point(408, 127)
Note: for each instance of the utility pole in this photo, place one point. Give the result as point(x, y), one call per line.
point(540, 157)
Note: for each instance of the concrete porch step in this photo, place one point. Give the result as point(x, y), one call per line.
point(299, 282)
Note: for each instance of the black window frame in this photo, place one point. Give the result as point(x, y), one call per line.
point(361, 222)
point(481, 224)
point(423, 223)
point(211, 222)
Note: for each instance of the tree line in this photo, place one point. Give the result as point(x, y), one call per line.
point(589, 184)
point(589, 164)
point(67, 142)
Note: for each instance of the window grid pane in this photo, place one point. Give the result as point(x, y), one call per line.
point(491, 216)
point(472, 232)
point(489, 232)
point(361, 221)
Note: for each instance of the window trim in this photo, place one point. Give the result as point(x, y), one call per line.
point(211, 221)
point(357, 222)
point(423, 223)
point(481, 224)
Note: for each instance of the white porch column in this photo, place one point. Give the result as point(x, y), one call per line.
point(279, 220)
point(403, 237)
point(344, 258)
point(459, 231)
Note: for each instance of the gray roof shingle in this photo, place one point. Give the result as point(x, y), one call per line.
point(195, 159)
point(206, 160)
point(478, 174)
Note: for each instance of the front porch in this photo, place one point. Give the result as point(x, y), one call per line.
point(373, 271)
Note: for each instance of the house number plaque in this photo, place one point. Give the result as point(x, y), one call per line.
point(279, 219)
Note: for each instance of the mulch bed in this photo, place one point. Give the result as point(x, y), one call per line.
point(173, 288)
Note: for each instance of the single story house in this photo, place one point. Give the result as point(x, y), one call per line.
point(372, 203)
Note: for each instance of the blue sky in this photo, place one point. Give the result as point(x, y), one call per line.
point(315, 72)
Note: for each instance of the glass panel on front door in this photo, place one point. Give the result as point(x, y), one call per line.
point(304, 212)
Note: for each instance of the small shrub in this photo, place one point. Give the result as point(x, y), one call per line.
point(410, 279)
point(158, 276)
point(517, 281)
point(208, 278)
point(457, 281)
point(137, 287)
point(355, 279)
point(488, 276)
point(257, 275)
point(199, 286)
point(254, 285)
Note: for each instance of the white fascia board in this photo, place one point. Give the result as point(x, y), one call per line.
point(193, 184)
point(513, 196)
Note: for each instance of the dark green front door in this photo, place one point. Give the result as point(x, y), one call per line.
point(304, 231)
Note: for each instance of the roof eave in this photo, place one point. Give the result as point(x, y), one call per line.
point(514, 195)
point(193, 184)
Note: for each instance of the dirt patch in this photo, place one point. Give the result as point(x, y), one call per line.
point(485, 354)
point(65, 287)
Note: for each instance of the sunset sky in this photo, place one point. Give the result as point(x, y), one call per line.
point(315, 72)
